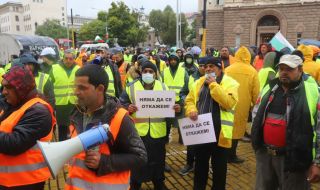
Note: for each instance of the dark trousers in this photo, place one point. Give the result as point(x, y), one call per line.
point(63, 131)
point(219, 166)
point(37, 186)
point(190, 155)
point(233, 149)
point(272, 176)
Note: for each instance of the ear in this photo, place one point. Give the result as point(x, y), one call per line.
point(100, 88)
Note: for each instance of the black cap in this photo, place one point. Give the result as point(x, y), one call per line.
point(149, 64)
point(215, 60)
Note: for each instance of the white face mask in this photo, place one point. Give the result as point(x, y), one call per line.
point(213, 74)
point(147, 78)
point(40, 61)
point(189, 60)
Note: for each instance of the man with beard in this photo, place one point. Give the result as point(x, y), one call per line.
point(286, 129)
point(226, 58)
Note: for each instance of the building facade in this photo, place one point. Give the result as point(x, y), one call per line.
point(26, 16)
point(11, 18)
point(78, 21)
point(252, 22)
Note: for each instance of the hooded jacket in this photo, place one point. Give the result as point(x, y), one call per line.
point(268, 72)
point(193, 67)
point(309, 66)
point(248, 90)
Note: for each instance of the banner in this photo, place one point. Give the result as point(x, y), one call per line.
point(197, 132)
point(279, 42)
point(157, 104)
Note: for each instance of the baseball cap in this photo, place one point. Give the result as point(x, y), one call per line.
point(292, 61)
point(47, 51)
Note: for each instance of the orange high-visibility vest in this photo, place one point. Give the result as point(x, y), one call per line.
point(28, 167)
point(123, 73)
point(82, 178)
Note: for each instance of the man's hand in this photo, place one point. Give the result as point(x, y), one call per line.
point(193, 116)
point(314, 174)
point(177, 108)
point(132, 108)
point(92, 159)
point(210, 79)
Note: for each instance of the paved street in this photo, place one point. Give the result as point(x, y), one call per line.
point(240, 176)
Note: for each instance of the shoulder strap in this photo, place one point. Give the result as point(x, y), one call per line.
point(116, 121)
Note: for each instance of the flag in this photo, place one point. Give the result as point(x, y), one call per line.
point(279, 42)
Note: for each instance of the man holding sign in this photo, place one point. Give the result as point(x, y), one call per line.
point(151, 130)
point(214, 93)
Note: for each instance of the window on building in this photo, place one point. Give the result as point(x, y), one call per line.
point(62, 8)
point(18, 28)
point(17, 18)
point(37, 1)
point(299, 36)
point(62, 19)
point(269, 20)
point(62, 14)
point(35, 25)
point(41, 1)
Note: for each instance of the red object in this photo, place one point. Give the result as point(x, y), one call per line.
point(274, 132)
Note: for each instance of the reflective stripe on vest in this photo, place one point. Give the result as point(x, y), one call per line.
point(111, 90)
point(157, 126)
point(84, 185)
point(81, 177)
point(28, 167)
point(263, 76)
point(226, 116)
point(174, 83)
point(41, 80)
point(64, 85)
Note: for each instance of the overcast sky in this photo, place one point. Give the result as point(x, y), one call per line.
point(91, 7)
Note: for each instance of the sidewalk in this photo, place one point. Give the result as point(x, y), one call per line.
point(239, 177)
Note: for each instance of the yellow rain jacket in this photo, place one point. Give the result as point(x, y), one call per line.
point(309, 66)
point(248, 90)
point(226, 95)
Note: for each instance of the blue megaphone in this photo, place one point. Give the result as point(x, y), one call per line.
point(56, 154)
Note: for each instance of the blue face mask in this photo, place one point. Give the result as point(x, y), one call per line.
point(213, 74)
point(147, 78)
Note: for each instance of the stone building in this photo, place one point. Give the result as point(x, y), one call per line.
point(251, 22)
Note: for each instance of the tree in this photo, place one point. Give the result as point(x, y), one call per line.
point(102, 15)
point(123, 24)
point(191, 34)
point(52, 28)
point(90, 30)
point(164, 23)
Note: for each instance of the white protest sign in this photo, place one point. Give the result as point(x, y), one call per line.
point(158, 104)
point(197, 132)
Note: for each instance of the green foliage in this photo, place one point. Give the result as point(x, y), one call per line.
point(90, 30)
point(192, 33)
point(164, 23)
point(123, 24)
point(102, 15)
point(52, 28)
